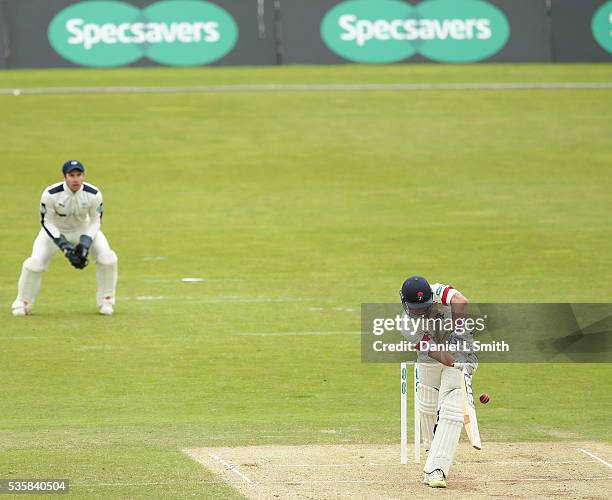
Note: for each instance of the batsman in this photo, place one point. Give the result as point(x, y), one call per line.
point(70, 216)
point(437, 316)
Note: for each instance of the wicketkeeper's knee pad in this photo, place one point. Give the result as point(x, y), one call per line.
point(107, 258)
point(427, 404)
point(34, 265)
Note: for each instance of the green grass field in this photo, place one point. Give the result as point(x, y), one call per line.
point(294, 208)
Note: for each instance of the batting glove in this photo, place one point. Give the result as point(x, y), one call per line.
point(469, 368)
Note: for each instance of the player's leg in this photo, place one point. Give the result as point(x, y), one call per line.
point(448, 428)
point(428, 388)
point(31, 273)
point(106, 273)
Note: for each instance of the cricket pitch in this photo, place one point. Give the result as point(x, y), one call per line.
point(568, 469)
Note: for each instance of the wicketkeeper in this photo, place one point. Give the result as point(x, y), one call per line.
point(439, 395)
point(70, 215)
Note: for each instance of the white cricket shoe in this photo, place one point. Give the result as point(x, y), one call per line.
point(20, 308)
point(106, 309)
point(436, 479)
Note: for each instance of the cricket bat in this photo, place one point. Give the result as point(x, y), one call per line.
point(469, 411)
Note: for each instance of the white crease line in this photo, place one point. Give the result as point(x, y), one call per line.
point(310, 88)
point(596, 458)
point(296, 334)
point(230, 467)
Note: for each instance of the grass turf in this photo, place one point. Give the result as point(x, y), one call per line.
point(294, 208)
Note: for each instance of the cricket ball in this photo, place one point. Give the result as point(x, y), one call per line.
point(484, 398)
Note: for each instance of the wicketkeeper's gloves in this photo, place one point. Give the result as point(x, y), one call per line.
point(78, 255)
point(75, 260)
point(82, 249)
point(63, 244)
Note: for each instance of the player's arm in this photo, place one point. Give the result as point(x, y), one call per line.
point(443, 294)
point(442, 357)
point(459, 308)
point(447, 295)
point(47, 205)
point(448, 360)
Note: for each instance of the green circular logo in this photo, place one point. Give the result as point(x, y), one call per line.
point(601, 26)
point(203, 32)
point(386, 31)
point(172, 32)
point(89, 33)
point(461, 31)
point(368, 31)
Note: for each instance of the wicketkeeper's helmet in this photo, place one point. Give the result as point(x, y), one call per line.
point(416, 294)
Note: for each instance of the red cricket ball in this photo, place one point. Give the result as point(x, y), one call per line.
point(484, 398)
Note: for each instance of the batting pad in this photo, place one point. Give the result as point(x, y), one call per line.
point(446, 438)
point(427, 404)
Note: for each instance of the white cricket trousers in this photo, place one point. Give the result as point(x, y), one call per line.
point(44, 249)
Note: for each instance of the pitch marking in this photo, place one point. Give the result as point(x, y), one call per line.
point(596, 458)
point(230, 467)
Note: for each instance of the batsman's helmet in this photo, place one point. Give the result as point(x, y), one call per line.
point(416, 294)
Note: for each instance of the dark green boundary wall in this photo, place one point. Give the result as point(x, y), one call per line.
point(287, 32)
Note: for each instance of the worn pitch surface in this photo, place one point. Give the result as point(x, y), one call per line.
point(373, 471)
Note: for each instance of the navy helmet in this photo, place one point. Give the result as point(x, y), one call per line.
point(71, 165)
point(416, 294)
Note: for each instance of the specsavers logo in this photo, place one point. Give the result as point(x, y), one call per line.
point(386, 31)
point(171, 32)
point(601, 25)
